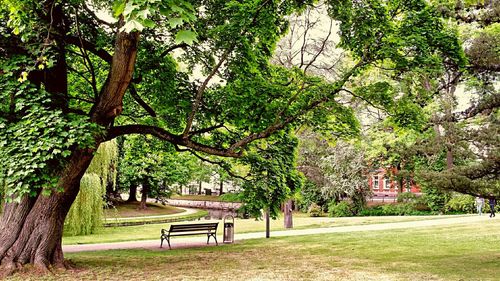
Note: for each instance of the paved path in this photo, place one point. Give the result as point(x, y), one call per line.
point(184, 242)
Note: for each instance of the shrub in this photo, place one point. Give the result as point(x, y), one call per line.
point(230, 197)
point(310, 194)
point(398, 209)
point(461, 204)
point(314, 210)
point(373, 211)
point(435, 199)
point(407, 197)
point(341, 209)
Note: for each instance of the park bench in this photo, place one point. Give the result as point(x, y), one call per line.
point(209, 229)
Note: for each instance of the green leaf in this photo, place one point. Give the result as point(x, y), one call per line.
point(148, 23)
point(131, 26)
point(165, 11)
point(129, 8)
point(175, 22)
point(118, 8)
point(186, 36)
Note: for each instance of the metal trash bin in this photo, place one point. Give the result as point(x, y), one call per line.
point(228, 229)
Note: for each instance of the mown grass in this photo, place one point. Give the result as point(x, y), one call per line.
point(301, 221)
point(453, 252)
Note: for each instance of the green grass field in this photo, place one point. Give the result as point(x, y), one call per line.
point(457, 252)
point(301, 221)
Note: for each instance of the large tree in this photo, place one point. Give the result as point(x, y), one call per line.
point(72, 78)
point(155, 166)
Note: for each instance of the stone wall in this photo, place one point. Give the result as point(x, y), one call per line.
point(204, 204)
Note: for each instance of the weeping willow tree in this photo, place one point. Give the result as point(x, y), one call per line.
point(86, 213)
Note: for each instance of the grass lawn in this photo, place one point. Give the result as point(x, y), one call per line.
point(456, 252)
point(126, 210)
point(301, 221)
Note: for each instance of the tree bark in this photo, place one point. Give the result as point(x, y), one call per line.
point(132, 194)
point(268, 223)
point(288, 214)
point(31, 231)
point(199, 187)
point(221, 187)
point(144, 195)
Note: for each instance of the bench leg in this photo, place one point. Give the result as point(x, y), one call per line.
point(208, 238)
point(161, 244)
point(168, 241)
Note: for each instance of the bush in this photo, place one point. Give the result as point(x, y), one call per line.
point(435, 199)
point(461, 204)
point(341, 209)
point(310, 194)
point(373, 211)
point(398, 209)
point(406, 197)
point(314, 210)
point(230, 197)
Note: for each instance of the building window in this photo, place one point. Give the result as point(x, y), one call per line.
point(387, 183)
point(375, 183)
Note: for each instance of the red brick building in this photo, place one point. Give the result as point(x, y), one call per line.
point(383, 183)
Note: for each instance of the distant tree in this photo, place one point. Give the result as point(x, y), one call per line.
point(272, 177)
point(155, 166)
point(337, 170)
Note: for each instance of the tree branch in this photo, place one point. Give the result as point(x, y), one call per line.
point(173, 47)
point(160, 133)
point(91, 47)
point(140, 101)
point(201, 90)
point(206, 130)
point(221, 164)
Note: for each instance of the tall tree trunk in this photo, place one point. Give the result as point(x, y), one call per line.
point(144, 195)
point(132, 194)
point(288, 214)
point(221, 187)
point(268, 224)
point(449, 158)
point(199, 187)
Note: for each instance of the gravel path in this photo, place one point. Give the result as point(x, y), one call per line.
point(196, 241)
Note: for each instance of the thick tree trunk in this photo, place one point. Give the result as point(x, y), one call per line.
point(144, 195)
point(31, 231)
point(288, 214)
point(221, 187)
point(199, 187)
point(132, 193)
